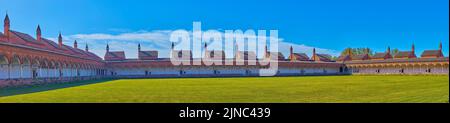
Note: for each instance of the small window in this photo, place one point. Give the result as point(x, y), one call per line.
point(180, 54)
point(211, 55)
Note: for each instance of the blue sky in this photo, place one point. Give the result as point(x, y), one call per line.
point(330, 25)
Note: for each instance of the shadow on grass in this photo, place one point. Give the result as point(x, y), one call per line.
point(45, 87)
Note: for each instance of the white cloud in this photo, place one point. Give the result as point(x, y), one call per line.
point(159, 40)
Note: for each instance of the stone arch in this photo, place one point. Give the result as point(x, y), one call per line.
point(35, 67)
point(45, 68)
point(15, 71)
point(16, 60)
point(53, 68)
point(26, 67)
point(4, 66)
point(77, 69)
point(82, 69)
point(64, 69)
point(3, 59)
point(26, 60)
point(69, 69)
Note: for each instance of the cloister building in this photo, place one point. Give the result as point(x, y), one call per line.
point(404, 62)
point(28, 60)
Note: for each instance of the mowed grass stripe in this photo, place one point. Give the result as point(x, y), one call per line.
point(311, 89)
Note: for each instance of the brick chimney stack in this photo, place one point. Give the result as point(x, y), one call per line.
point(60, 40)
point(107, 47)
point(38, 33)
point(6, 25)
point(314, 54)
point(75, 44)
point(87, 48)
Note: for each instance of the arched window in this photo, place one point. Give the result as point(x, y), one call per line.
point(180, 54)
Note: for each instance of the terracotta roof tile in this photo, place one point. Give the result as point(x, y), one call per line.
point(279, 55)
point(300, 56)
point(344, 58)
point(361, 57)
point(405, 54)
point(23, 36)
point(216, 54)
point(116, 55)
point(381, 56)
point(323, 57)
point(20, 38)
point(147, 55)
point(51, 43)
point(432, 53)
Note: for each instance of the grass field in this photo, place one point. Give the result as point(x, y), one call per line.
point(317, 89)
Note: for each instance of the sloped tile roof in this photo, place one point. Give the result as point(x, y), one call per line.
point(323, 57)
point(344, 58)
point(20, 38)
point(220, 54)
point(381, 55)
point(279, 55)
point(148, 53)
point(361, 57)
point(24, 36)
point(405, 54)
point(434, 53)
point(301, 56)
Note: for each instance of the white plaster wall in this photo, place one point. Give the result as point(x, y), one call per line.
point(4, 71)
point(26, 72)
point(15, 71)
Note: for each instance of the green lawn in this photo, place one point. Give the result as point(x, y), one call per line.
point(327, 89)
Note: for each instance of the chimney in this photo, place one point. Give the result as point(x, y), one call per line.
point(314, 54)
point(75, 44)
point(6, 25)
point(60, 40)
point(413, 49)
point(87, 48)
point(107, 47)
point(291, 55)
point(139, 47)
point(388, 50)
point(236, 51)
point(291, 51)
point(38, 33)
point(266, 52)
point(440, 46)
point(206, 50)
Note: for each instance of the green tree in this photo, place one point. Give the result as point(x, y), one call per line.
point(347, 51)
point(394, 51)
point(334, 58)
point(357, 51)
